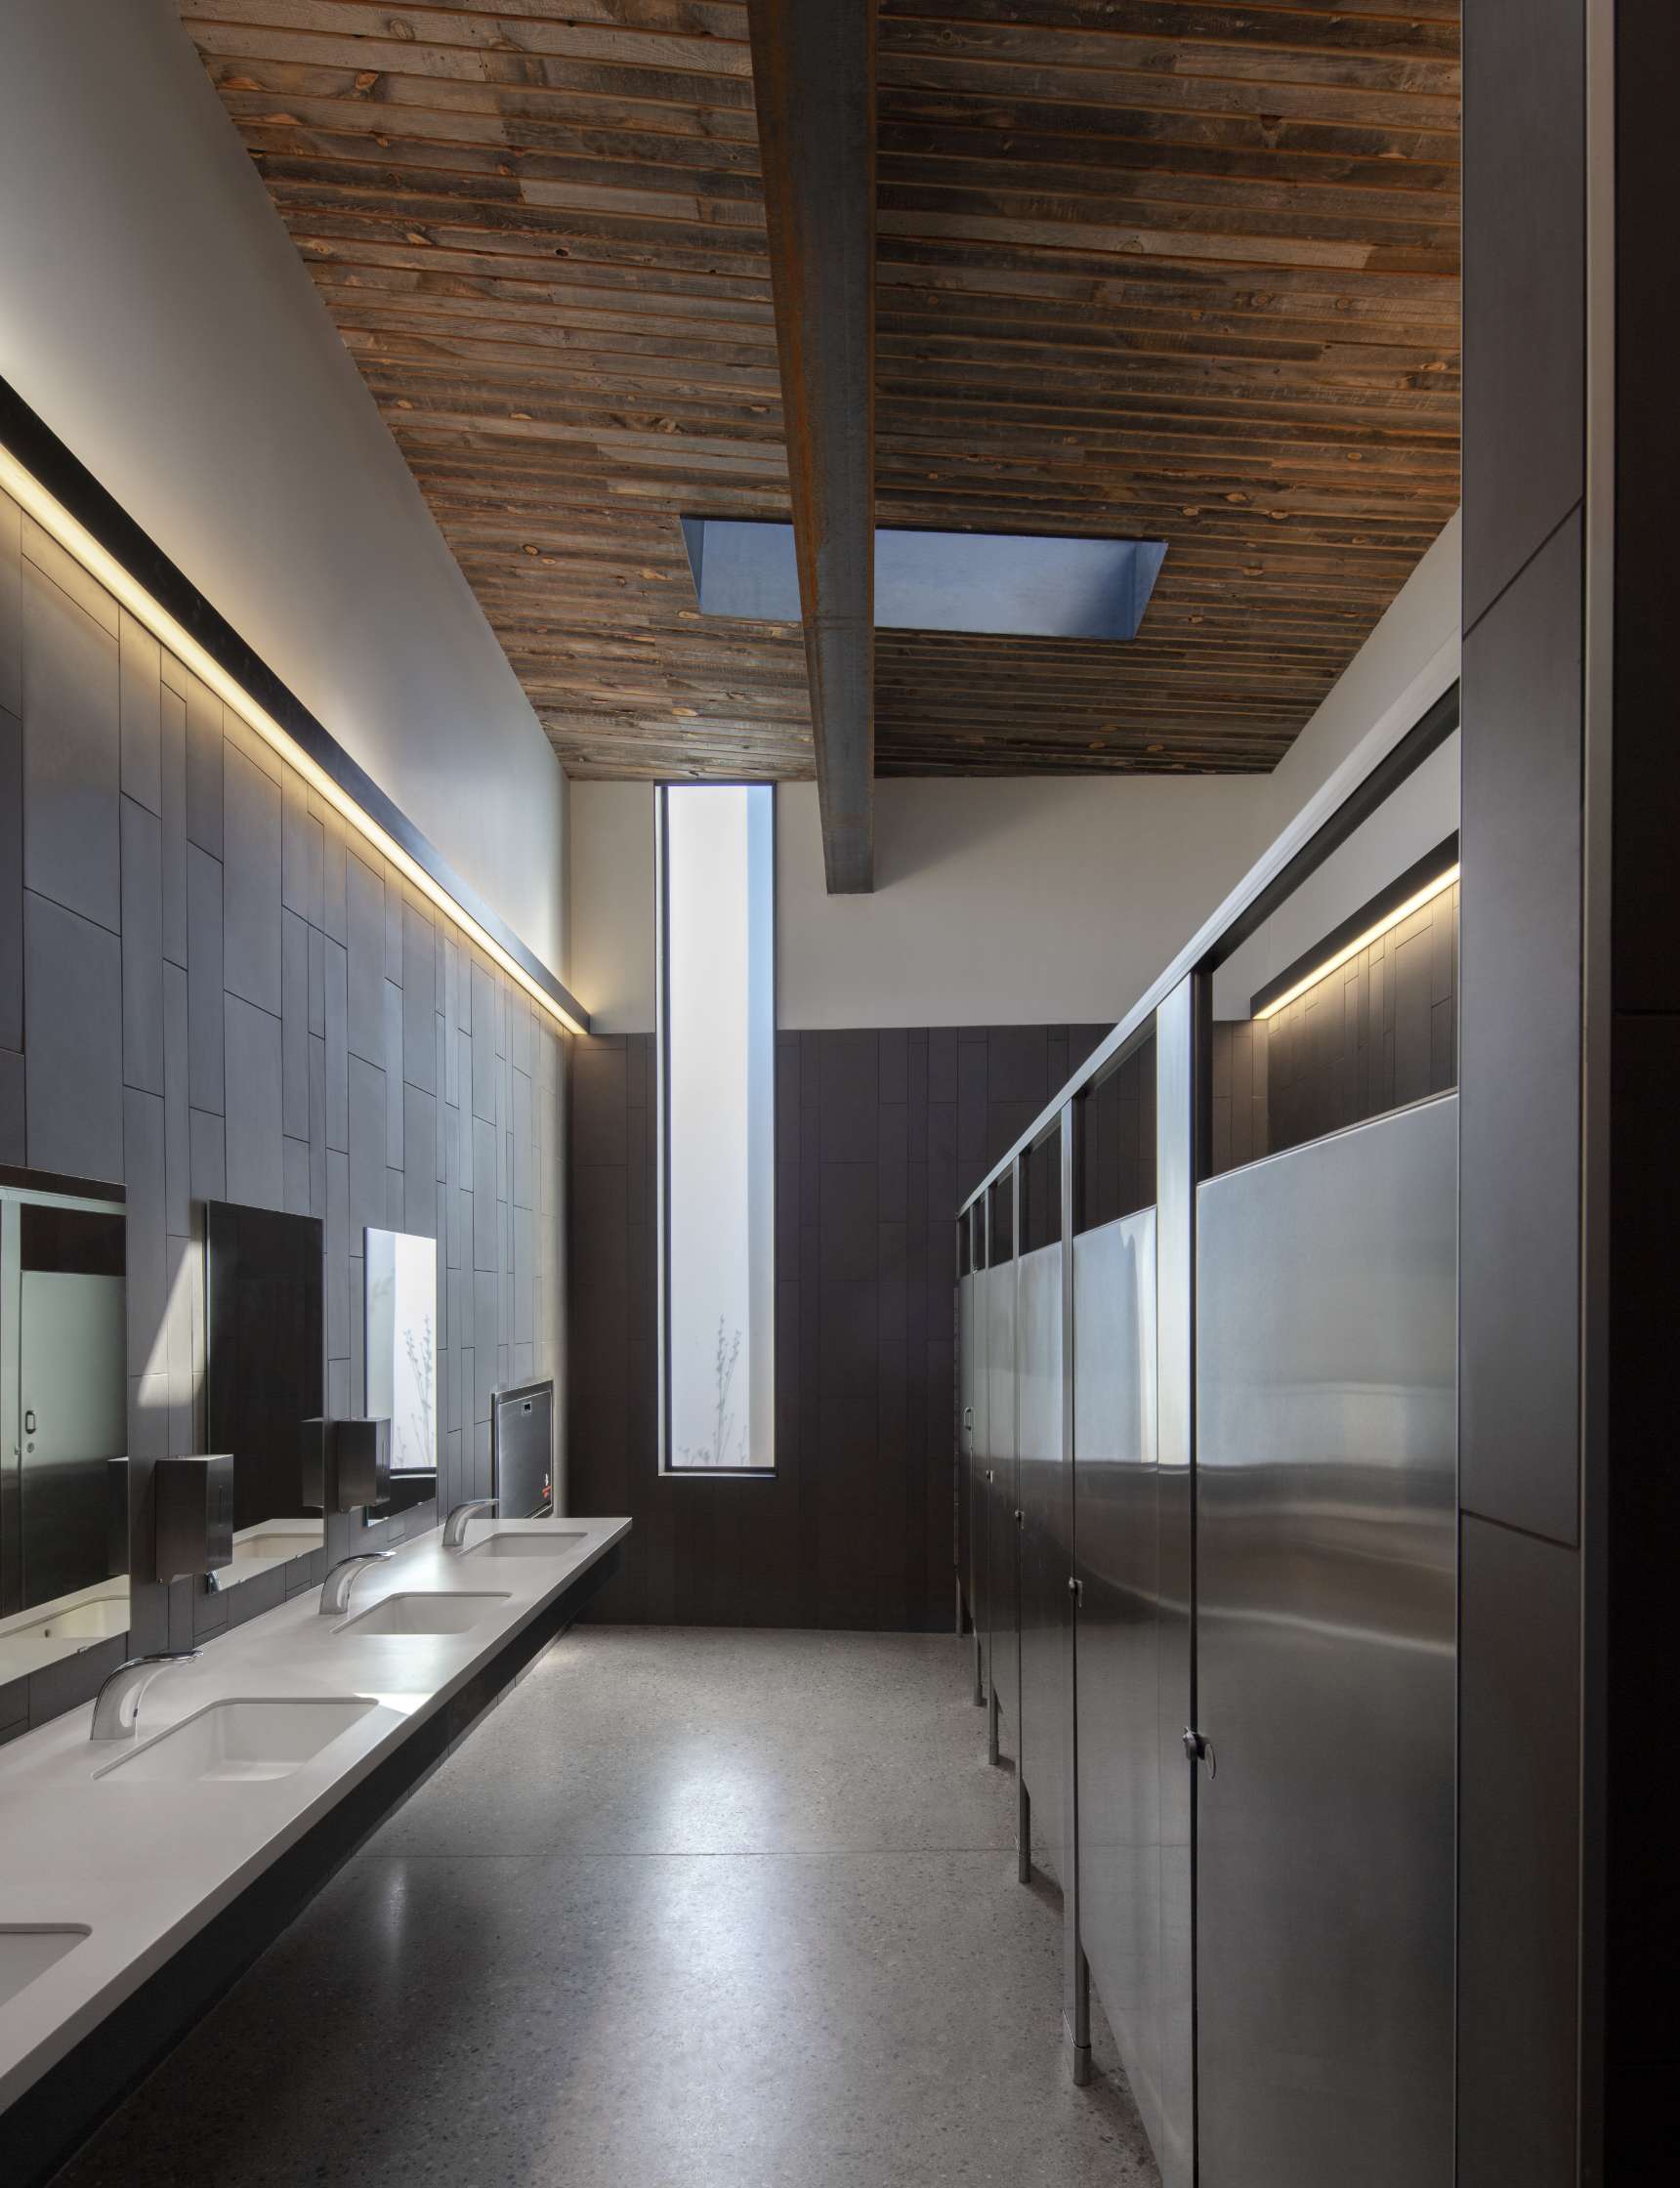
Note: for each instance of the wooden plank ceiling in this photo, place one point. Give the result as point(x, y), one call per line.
point(1165, 267)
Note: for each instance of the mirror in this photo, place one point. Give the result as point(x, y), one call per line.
point(400, 1280)
point(63, 1437)
point(264, 1359)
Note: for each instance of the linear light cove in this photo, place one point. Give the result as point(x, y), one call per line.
point(1389, 920)
point(102, 566)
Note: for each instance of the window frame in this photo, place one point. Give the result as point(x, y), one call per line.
point(667, 1471)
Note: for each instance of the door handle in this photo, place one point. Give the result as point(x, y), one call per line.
point(1019, 1516)
point(990, 1475)
point(28, 1420)
point(1200, 1748)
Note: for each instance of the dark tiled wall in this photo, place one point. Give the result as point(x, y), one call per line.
point(210, 988)
point(1378, 1033)
point(878, 1136)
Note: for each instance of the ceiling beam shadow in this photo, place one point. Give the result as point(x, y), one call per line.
point(814, 77)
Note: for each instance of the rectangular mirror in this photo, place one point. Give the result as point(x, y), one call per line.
point(265, 1361)
point(64, 1438)
point(400, 1279)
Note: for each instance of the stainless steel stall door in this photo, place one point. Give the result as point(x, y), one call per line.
point(1046, 1552)
point(1118, 1740)
point(1324, 1619)
point(965, 1447)
point(980, 1565)
point(1000, 1496)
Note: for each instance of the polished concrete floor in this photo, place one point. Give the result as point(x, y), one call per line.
point(726, 1910)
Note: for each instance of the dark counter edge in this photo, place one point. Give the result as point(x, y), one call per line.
point(40, 451)
point(51, 2121)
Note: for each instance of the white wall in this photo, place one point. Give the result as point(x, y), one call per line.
point(1010, 902)
point(155, 313)
point(609, 868)
point(1022, 901)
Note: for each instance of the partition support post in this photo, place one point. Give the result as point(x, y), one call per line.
point(1076, 2021)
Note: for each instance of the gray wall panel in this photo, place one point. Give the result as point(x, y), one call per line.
point(256, 1172)
point(142, 948)
point(251, 882)
point(10, 605)
point(204, 990)
point(1524, 361)
point(365, 900)
point(419, 1001)
point(147, 1290)
point(303, 884)
point(204, 758)
point(140, 673)
point(11, 878)
point(70, 753)
point(337, 1036)
point(1520, 987)
point(367, 1147)
point(207, 1156)
point(172, 808)
point(13, 1134)
point(1518, 1860)
point(177, 1140)
point(295, 1026)
point(72, 1040)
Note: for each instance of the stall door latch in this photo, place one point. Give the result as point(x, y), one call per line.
point(1200, 1748)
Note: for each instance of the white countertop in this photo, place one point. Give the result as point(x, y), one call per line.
point(144, 1866)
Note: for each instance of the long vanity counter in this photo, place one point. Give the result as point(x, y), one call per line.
point(119, 1853)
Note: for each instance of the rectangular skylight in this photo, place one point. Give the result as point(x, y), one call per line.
point(938, 580)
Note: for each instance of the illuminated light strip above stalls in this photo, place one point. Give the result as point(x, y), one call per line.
point(104, 567)
point(1361, 941)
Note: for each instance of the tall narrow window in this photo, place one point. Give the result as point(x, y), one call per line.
point(717, 1083)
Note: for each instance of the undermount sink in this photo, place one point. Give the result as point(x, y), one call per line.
point(553, 1544)
point(276, 1546)
point(82, 1622)
point(241, 1742)
point(30, 1949)
point(420, 1612)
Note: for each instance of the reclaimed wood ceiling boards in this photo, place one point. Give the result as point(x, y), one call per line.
point(1148, 266)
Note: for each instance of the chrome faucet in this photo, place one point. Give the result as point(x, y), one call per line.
point(117, 1706)
point(455, 1526)
point(336, 1588)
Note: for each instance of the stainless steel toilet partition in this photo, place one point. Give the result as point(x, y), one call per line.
point(1327, 1529)
point(1000, 1498)
point(1046, 1555)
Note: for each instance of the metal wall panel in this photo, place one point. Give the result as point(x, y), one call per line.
point(1001, 1596)
point(1046, 1551)
point(1118, 1561)
point(1327, 1536)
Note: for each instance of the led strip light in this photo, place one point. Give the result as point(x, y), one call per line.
point(1426, 895)
point(56, 521)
